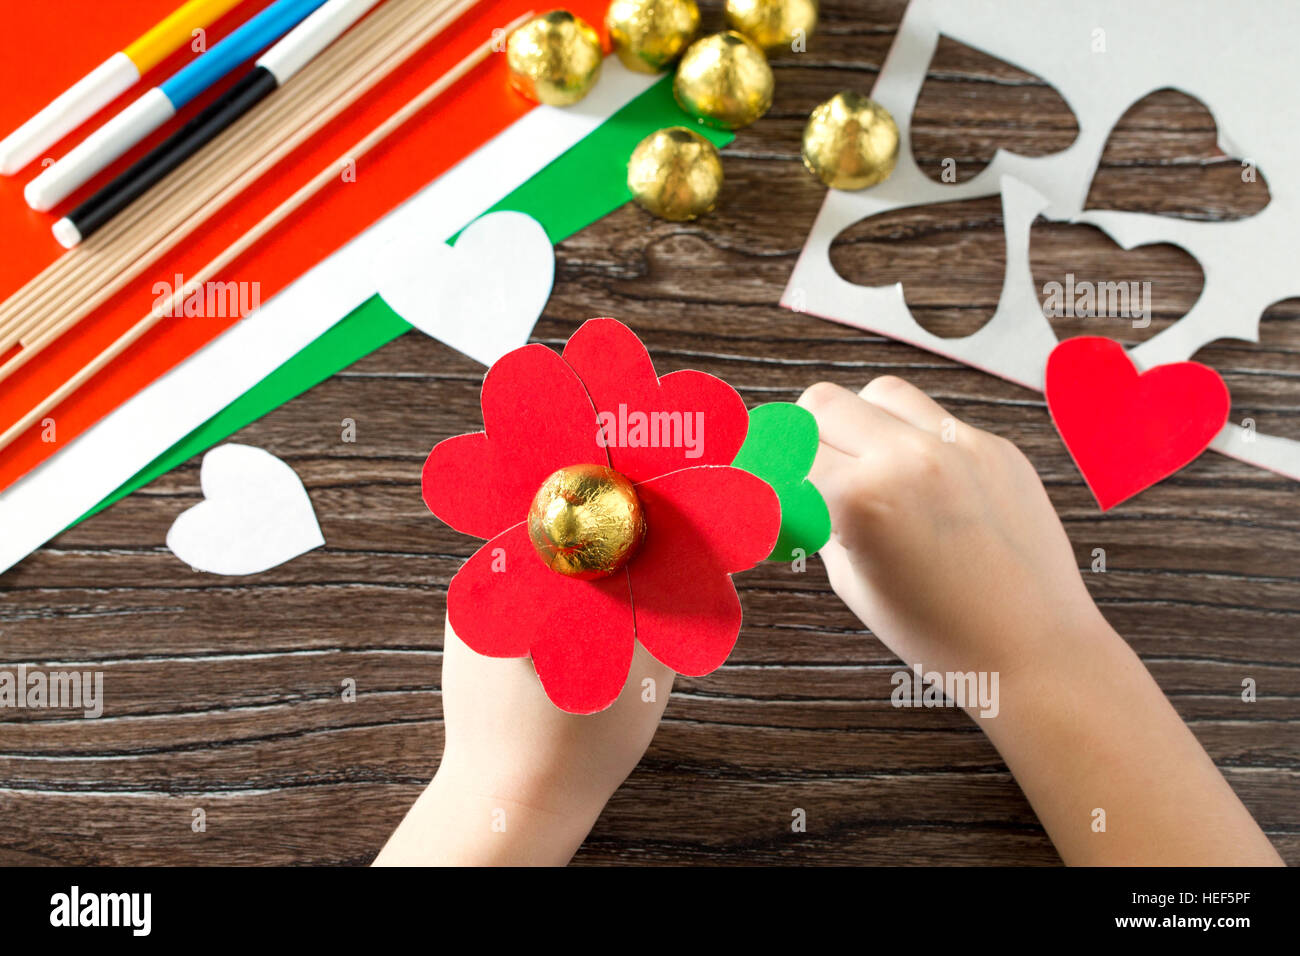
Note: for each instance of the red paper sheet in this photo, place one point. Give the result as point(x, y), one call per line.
point(41, 56)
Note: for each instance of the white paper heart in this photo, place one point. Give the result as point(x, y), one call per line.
point(481, 296)
point(255, 515)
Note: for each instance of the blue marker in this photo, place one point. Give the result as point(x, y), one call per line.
point(161, 103)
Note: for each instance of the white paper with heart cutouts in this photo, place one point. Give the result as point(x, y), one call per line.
point(255, 515)
point(1101, 57)
point(481, 296)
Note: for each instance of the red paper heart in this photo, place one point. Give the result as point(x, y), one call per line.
point(1126, 430)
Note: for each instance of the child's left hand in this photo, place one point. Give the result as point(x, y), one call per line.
point(521, 781)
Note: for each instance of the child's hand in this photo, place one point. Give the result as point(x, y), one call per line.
point(521, 781)
point(945, 543)
point(946, 546)
point(506, 738)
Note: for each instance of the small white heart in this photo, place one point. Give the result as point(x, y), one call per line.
point(481, 296)
point(255, 515)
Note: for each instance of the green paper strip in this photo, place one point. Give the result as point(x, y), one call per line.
point(779, 448)
point(585, 183)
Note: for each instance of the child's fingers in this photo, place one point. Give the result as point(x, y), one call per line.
point(839, 569)
point(838, 476)
point(906, 402)
point(832, 468)
point(849, 424)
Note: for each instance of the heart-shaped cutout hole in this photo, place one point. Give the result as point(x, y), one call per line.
point(1261, 375)
point(1162, 157)
point(973, 104)
point(1088, 285)
point(950, 258)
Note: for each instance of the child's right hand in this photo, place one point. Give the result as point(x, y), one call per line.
point(945, 543)
point(946, 546)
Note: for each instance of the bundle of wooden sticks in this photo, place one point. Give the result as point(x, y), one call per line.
point(86, 277)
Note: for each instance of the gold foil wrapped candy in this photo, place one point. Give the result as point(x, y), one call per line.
point(773, 23)
point(554, 58)
point(850, 142)
point(586, 521)
point(724, 81)
point(649, 34)
point(675, 173)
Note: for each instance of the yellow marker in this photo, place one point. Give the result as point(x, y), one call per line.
point(105, 83)
point(177, 28)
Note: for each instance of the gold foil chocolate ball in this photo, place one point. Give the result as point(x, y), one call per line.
point(649, 34)
point(773, 23)
point(850, 142)
point(724, 81)
point(675, 173)
point(554, 58)
point(586, 521)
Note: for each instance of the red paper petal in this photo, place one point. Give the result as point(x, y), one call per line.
point(537, 418)
point(1127, 431)
point(620, 378)
point(584, 670)
point(702, 525)
point(504, 602)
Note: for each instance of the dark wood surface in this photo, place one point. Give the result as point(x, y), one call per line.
point(224, 694)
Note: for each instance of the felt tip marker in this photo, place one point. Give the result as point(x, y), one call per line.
point(161, 103)
point(272, 70)
point(106, 82)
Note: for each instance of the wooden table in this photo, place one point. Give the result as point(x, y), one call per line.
point(224, 694)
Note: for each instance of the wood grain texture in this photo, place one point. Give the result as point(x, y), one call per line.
point(224, 693)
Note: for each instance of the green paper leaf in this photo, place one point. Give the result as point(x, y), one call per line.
point(780, 448)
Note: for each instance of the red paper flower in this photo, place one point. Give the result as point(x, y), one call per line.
point(705, 520)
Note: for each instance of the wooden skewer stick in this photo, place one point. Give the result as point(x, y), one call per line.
point(245, 242)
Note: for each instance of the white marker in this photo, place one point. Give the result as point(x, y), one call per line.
point(105, 83)
point(161, 103)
